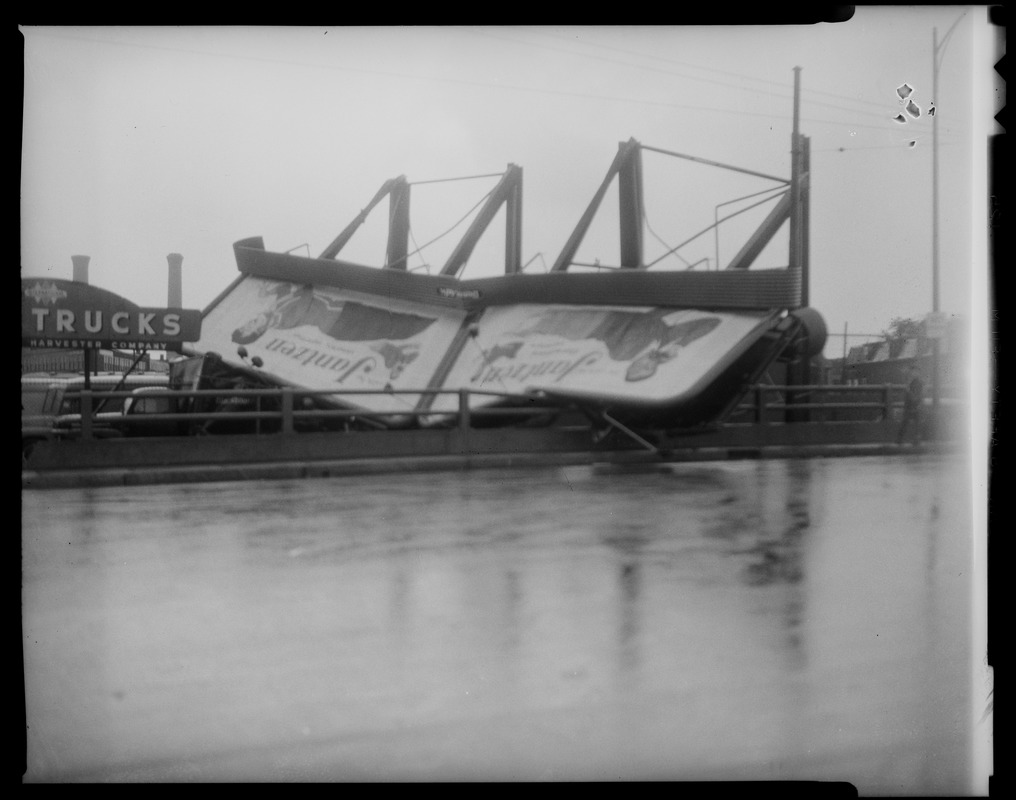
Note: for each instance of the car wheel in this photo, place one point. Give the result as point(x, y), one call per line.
point(27, 446)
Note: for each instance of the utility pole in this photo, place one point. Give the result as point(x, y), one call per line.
point(937, 54)
point(798, 370)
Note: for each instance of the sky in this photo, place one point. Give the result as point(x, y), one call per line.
point(139, 142)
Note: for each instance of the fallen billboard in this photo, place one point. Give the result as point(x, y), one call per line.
point(637, 357)
point(664, 347)
point(319, 338)
point(406, 360)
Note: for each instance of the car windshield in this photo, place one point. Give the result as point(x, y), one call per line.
point(151, 405)
point(72, 404)
point(32, 400)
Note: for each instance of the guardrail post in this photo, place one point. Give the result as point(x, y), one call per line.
point(86, 414)
point(760, 405)
point(464, 414)
point(287, 409)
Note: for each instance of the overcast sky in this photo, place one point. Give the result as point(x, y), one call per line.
point(140, 142)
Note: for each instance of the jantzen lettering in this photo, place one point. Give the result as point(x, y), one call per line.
point(323, 360)
point(364, 365)
point(310, 357)
point(489, 373)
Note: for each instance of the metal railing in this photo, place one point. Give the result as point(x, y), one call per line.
point(762, 404)
point(835, 403)
point(279, 406)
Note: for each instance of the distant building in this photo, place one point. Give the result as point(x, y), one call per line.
point(909, 349)
point(887, 361)
point(63, 360)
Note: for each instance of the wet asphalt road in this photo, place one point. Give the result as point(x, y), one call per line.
point(759, 620)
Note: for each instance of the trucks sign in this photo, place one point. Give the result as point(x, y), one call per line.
point(59, 313)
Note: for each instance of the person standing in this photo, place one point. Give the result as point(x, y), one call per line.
point(913, 398)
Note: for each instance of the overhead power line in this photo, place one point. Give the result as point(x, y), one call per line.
point(769, 84)
point(487, 85)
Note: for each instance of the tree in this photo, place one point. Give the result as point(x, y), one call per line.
point(901, 328)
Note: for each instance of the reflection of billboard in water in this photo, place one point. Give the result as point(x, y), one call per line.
point(638, 355)
point(325, 338)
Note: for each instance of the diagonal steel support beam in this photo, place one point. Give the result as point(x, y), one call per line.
point(398, 188)
point(628, 432)
point(508, 192)
point(763, 235)
point(627, 162)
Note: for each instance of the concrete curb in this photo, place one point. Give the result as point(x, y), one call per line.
point(618, 461)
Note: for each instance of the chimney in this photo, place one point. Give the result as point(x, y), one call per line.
point(80, 268)
point(175, 280)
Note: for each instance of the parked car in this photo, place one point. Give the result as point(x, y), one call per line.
point(146, 402)
point(210, 372)
point(51, 403)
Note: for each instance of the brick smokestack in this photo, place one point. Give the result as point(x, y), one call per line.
point(175, 280)
point(80, 268)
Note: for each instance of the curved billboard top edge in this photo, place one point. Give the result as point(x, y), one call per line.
point(755, 290)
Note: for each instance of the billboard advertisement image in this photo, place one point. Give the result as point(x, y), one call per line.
point(630, 355)
point(327, 338)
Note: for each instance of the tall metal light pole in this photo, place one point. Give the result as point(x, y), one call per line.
point(937, 54)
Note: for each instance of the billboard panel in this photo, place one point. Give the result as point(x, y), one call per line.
point(640, 356)
point(328, 338)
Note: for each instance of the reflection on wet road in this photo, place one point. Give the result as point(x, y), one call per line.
point(784, 620)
